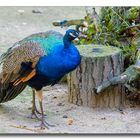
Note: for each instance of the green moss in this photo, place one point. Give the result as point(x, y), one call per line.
point(97, 50)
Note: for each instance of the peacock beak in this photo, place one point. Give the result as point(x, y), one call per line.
point(81, 35)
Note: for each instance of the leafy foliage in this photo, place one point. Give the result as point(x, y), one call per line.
point(115, 26)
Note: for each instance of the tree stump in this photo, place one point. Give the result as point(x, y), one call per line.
point(98, 64)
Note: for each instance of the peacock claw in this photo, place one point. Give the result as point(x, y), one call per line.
point(45, 125)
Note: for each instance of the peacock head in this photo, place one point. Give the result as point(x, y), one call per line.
point(71, 34)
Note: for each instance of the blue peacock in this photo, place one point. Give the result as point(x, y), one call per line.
point(38, 60)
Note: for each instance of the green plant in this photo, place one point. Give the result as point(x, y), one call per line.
point(115, 26)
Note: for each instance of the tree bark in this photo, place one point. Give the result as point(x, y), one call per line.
point(98, 64)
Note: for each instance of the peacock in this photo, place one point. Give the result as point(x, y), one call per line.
point(36, 61)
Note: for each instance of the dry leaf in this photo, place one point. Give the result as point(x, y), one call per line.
point(70, 121)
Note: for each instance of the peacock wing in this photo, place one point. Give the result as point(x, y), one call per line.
point(13, 59)
point(17, 67)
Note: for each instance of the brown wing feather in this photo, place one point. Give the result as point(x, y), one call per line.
point(11, 66)
point(27, 52)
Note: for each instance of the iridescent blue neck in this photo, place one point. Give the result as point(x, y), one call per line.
point(67, 42)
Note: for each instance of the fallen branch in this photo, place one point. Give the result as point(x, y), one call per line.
point(125, 78)
point(69, 22)
point(25, 128)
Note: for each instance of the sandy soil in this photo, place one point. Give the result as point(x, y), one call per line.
point(15, 25)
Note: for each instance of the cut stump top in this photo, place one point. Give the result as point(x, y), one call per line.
point(97, 50)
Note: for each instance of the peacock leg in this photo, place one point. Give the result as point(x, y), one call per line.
point(35, 112)
point(44, 124)
point(34, 108)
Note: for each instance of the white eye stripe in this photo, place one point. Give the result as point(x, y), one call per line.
point(72, 35)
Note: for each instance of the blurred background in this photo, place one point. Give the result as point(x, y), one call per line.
point(19, 22)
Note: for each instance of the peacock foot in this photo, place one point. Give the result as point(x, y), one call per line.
point(45, 125)
point(36, 115)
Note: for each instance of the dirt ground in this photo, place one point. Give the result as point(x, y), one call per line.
point(19, 22)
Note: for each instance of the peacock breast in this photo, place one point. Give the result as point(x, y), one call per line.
point(59, 63)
